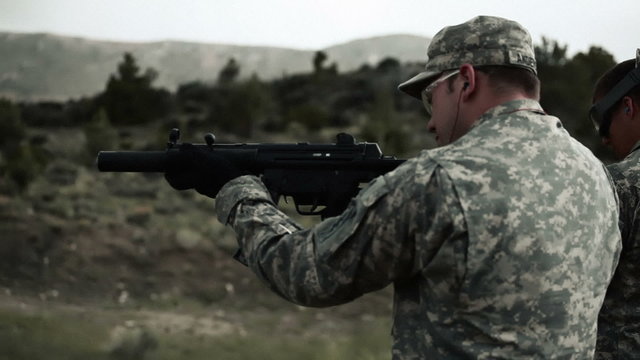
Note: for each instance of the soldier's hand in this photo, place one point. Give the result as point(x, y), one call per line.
point(200, 169)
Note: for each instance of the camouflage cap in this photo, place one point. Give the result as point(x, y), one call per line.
point(483, 40)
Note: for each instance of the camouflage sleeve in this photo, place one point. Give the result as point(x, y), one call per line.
point(618, 325)
point(627, 197)
point(366, 248)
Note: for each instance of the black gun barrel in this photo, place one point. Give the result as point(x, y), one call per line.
point(324, 177)
point(132, 161)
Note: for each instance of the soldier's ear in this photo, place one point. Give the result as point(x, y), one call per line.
point(629, 105)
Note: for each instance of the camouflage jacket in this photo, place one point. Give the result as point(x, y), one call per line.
point(619, 322)
point(499, 245)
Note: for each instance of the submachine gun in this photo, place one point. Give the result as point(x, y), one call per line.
point(320, 178)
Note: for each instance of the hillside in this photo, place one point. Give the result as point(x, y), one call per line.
point(45, 66)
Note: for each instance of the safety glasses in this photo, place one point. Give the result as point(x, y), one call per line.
point(600, 111)
point(427, 93)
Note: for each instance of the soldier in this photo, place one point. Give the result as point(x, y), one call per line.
point(616, 114)
point(499, 244)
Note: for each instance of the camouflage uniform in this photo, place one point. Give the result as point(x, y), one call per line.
point(619, 322)
point(500, 245)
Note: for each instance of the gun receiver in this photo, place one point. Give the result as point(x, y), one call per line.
point(320, 178)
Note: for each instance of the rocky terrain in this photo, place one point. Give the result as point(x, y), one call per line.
point(119, 265)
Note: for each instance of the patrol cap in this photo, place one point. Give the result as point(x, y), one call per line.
point(483, 40)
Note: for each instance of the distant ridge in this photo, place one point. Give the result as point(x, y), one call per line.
point(40, 66)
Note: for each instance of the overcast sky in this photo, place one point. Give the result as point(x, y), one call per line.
point(304, 24)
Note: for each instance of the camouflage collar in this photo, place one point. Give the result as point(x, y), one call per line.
point(511, 107)
point(635, 147)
